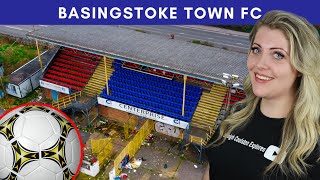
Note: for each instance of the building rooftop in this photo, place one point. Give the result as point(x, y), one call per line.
point(28, 69)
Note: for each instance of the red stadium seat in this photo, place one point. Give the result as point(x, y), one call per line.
point(76, 73)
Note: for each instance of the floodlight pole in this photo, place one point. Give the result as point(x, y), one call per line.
point(106, 73)
point(39, 55)
point(231, 82)
point(184, 93)
point(229, 86)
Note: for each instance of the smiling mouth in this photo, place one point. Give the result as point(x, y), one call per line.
point(264, 78)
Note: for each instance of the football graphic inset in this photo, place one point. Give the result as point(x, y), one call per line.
point(38, 142)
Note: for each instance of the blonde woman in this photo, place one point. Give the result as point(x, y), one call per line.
point(275, 134)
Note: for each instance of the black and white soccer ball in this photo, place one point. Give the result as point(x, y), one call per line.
point(38, 142)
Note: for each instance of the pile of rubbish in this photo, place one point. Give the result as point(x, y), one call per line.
point(148, 140)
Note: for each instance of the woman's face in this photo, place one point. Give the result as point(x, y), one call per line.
point(270, 70)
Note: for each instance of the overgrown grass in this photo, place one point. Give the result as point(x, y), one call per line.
point(205, 43)
point(240, 28)
point(141, 30)
point(10, 101)
point(13, 55)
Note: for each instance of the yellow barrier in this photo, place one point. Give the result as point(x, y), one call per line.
point(134, 144)
point(131, 124)
point(66, 101)
point(196, 140)
point(102, 148)
point(201, 141)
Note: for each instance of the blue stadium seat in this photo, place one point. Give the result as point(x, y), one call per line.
point(152, 93)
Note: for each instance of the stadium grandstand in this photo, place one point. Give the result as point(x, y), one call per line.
point(132, 73)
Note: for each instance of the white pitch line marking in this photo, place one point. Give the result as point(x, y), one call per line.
point(15, 28)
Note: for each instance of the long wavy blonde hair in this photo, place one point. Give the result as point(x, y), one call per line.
point(301, 128)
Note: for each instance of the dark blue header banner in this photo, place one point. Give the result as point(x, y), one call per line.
point(149, 11)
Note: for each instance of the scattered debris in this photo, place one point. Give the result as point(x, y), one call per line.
point(125, 161)
point(136, 163)
point(134, 132)
point(145, 143)
point(123, 175)
point(102, 122)
point(165, 166)
point(37, 98)
point(142, 159)
point(128, 166)
point(150, 136)
point(112, 132)
point(148, 140)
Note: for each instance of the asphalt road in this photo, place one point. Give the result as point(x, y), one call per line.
point(19, 31)
point(217, 38)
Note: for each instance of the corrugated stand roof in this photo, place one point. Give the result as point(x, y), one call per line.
point(151, 50)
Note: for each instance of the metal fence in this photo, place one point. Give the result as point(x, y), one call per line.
point(134, 145)
point(102, 148)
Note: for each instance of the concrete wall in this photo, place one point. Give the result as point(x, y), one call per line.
point(114, 114)
point(35, 79)
point(47, 93)
point(13, 90)
point(25, 88)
